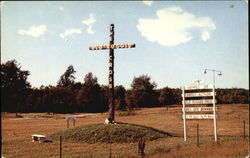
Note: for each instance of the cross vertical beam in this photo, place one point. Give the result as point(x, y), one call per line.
point(111, 115)
point(111, 47)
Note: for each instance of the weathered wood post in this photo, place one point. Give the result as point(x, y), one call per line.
point(141, 147)
point(244, 128)
point(111, 47)
point(197, 134)
point(184, 114)
point(60, 146)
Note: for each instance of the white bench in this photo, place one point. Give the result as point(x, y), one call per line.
point(38, 137)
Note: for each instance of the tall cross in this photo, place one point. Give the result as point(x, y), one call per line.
point(111, 47)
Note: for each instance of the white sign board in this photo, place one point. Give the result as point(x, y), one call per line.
point(70, 118)
point(201, 94)
point(197, 81)
point(203, 116)
point(204, 101)
point(194, 87)
point(191, 109)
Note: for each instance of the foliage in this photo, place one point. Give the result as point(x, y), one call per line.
point(67, 78)
point(166, 96)
point(119, 97)
point(89, 96)
point(143, 93)
point(232, 96)
point(14, 86)
point(70, 96)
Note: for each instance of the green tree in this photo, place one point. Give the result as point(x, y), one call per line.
point(67, 78)
point(104, 97)
point(120, 102)
point(143, 92)
point(14, 86)
point(89, 97)
point(166, 96)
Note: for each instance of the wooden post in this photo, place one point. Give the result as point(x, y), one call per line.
point(60, 146)
point(111, 47)
point(110, 154)
point(184, 114)
point(197, 134)
point(214, 110)
point(244, 127)
point(67, 123)
point(111, 115)
point(74, 122)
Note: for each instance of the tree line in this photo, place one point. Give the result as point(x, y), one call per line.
point(69, 96)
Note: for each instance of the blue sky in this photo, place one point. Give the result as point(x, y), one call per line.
point(175, 41)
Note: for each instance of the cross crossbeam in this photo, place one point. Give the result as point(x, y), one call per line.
point(111, 47)
point(101, 47)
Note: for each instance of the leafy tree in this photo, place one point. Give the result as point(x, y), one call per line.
point(232, 96)
point(177, 95)
point(166, 96)
point(120, 102)
point(104, 97)
point(89, 97)
point(14, 86)
point(67, 79)
point(143, 93)
point(130, 100)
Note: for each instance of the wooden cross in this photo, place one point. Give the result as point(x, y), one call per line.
point(111, 47)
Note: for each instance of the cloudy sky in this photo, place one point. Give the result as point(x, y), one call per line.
point(175, 41)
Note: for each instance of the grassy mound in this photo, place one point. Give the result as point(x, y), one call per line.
point(111, 133)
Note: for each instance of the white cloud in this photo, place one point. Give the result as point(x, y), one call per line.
point(70, 32)
point(89, 22)
point(147, 2)
point(61, 8)
point(90, 30)
point(34, 31)
point(174, 26)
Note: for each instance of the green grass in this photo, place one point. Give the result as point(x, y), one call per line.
point(110, 133)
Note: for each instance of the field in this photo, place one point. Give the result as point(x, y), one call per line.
point(17, 142)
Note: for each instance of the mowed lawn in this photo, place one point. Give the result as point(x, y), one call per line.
point(17, 142)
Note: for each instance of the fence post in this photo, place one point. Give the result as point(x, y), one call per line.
point(244, 129)
point(60, 146)
point(110, 154)
point(197, 134)
point(67, 123)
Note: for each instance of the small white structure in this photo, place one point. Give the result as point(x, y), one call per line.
point(38, 137)
point(106, 121)
point(70, 119)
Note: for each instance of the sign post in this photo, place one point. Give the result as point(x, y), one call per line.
point(111, 47)
point(214, 110)
point(184, 115)
point(199, 95)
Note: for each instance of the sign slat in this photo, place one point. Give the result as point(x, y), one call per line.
point(194, 87)
point(204, 101)
point(200, 94)
point(191, 109)
point(70, 118)
point(204, 116)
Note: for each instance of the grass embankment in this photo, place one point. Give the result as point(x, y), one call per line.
point(110, 133)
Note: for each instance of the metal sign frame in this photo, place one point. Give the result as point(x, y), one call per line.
point(198, 101)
